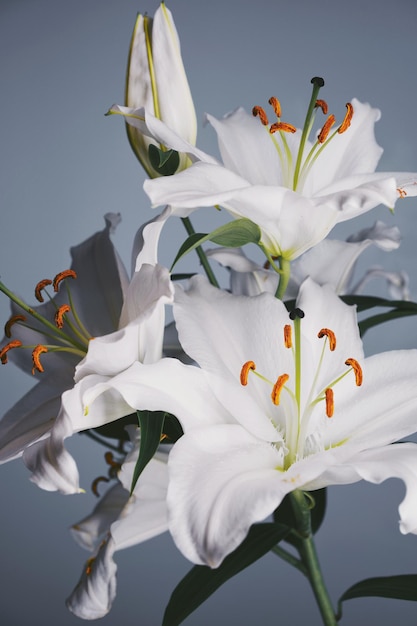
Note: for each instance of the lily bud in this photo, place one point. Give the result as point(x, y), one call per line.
point(156, 81)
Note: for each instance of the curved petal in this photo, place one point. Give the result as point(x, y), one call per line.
point(88, 531)
point(246, 277)
point(352, 152)
point(168, 385)
point(222, 480)
point(30, 419)
point(94, 594)
point(246, 148)
point(380, 411)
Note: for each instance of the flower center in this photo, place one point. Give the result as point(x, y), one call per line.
point(65, 332)
point(298, 391)
point(296, 165)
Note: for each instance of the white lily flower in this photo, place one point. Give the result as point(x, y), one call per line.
point(309, 411)
point(295, 190)
point(94, 311)
point(156, 81)
point(119, 521)
point(330, 262)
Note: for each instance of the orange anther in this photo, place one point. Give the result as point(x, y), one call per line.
point(9, 346)
point(61, 276)
point(287, 128)
point(258, 111)
point(347, 119)
point(326, 332)
point(59, 315)
point(329, 402)
point(41, 285)
point(89, 566)
point(288, 336)
point(244, 373)
point(276, 105)
point(324, 133)
point(37, 365)
point(357, 369)
point(401, 192)
point(13, 320)
point(322, 104)
point(277, 388)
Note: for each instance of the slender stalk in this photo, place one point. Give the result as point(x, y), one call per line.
point(289, 558)
point(310, 559)
point(284, 277)
point(201, 254)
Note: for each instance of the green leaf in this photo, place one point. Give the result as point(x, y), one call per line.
point(201, 581)
point(368, 302)
point(233, 235)
point(151, 424)
point(402, 587)
point(375, 320)
point(165, 162)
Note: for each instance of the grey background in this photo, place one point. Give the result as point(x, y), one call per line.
point(63, 165)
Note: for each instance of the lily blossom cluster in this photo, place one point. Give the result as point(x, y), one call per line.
point(257, 392)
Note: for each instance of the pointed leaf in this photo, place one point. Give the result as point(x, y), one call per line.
point(201, 581)
point(375, 320)
point(151, 424)
point(402, 587)
point(233, 235)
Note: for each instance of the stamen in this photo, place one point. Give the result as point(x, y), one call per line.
point(347, 120)
point(277, 388)
point(324, 133)
point(39, 287)
point(329, 402)
point(401, 192)
point(37, 365)
point(9, 346)
point(244, 373)
point(322, 104)
point(258, 111)
point(288, 336)
point(89, 565)
point(357, 369)
point(326, 332)
point(13, 320)
point(61, 276)
point(287, 128)
point(59, 315)
point(296, 313)
point(95, 483)
point(276, 105)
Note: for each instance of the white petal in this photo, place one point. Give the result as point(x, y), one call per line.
point(384, 237)
point(88, 531)
point(94, 594)
point(353, 152)
point(246, 148)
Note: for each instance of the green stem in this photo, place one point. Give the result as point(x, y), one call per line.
point(289, 558)
point(284, 277)
point(308, 553)
point(201, 254)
